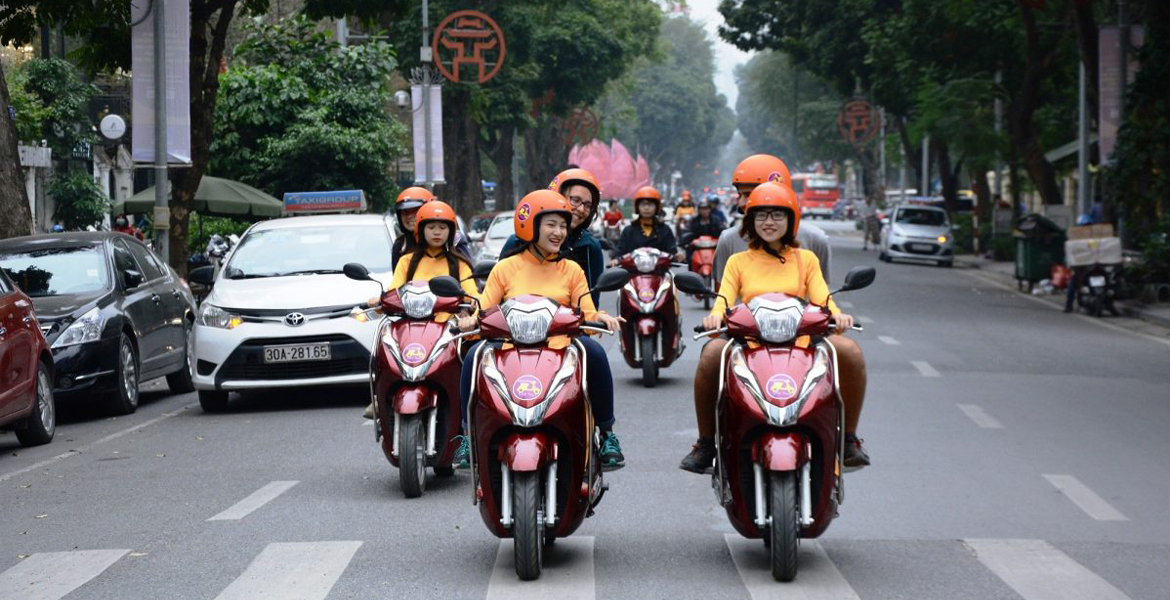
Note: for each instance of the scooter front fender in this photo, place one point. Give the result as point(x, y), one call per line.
point(780, 451)
point(646, 326)
point(526, 452)
point(414, 399)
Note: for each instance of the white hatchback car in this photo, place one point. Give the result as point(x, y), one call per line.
point(918, 232)
point(282, 314)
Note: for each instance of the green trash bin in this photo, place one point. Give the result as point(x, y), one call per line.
point(1039, 245)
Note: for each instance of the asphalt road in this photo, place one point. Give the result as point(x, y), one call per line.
point(1018, 453)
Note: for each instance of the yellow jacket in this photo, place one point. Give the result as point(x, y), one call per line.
point(430, 267)
point(755, 272)
point(562, 281)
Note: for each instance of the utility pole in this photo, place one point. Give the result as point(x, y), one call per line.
point(426, 55)
point(341, 32)
point(1084, 202)
point(1123, 73)
point(162, 208)
point(882, 151)
point(922, 191)
point(998, 195)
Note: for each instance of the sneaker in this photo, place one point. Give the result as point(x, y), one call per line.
point(611, 451)
point(369, 412)
point(855, 455)
point(463, 454)
point(701, 458)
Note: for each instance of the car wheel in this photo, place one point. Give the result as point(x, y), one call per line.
point(124, 400)
point(213, 401)
point(180, 381)
point(946, 263)
point(40, 426)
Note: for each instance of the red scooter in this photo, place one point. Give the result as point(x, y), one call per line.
point(414, 382)
point(652, 334)
point(780, 427)
point(703, 263)
point(535, 454)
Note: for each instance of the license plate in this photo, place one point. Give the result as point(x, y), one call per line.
point(922, 247)
point(1097, 281)
point(296, 353)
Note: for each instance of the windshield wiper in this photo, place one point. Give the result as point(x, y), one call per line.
point(314, 272)
point(238, 274)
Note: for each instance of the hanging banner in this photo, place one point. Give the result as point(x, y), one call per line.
point(1110, 82)
point(420, 134)
point(178, 85)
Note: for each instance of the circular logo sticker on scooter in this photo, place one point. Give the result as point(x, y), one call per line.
point(646, 294)
point(527, 388)
point(781, 387)
point(413, 354)
point(523, 212)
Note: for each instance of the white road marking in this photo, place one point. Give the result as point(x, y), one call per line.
point(1095, 506)
point(567, 573)
point(864, 320)
point(844, 304)
point(889, 341)
point(1083, 318)
point(53, 575)
point(366, 422)
point(1037, 571)
point(925, 369)
point(980, 416)
point(254, 501)
point(817, 577)
point(84, 448)
point(292, 571)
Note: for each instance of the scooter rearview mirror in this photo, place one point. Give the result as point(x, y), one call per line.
point(356, 271)
point(483, 269)
point(689, 283)
point(858, 278)
point(446, 287)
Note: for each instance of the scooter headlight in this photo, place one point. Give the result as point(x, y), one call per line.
point(645, 262)
point(529, 322)
point(417, 301)
point(777, 321)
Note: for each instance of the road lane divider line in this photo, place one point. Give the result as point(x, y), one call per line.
point(85, 447)
point(1086, 499)
point(980, 416)
point(817, 579)
point(845, 304)
point(889, 341)
point(292, 571)
point(1085, 318)
point(864, 320)
point(568, 573)
point(254, 501)
point(1038, 571)
point(925, 369)
point(53, 575)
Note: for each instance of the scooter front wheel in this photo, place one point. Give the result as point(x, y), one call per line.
point(784, 531)
point(527, 524)
point(649, 367)
point(412, 461)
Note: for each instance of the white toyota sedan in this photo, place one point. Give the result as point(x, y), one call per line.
point(282, 314)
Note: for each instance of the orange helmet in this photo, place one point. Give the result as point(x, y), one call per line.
point(647, 193)
point(534, 206)
point(760, 168)
point(412, 198)
point(578, 177)
point(775, 195)
point(435, 210)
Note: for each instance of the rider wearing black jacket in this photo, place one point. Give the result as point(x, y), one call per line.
point(647, 230)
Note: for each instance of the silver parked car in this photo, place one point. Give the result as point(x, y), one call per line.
point(918, 232)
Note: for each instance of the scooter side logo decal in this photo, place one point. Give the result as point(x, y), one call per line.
point(781, 387)
point(414, 354)
point(646, 294)
point(527, 388)
point(523, 212)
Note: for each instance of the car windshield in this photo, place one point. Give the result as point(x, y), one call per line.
point(919, 216)
point(502, 228)
point(310, 251)
point(57, 271)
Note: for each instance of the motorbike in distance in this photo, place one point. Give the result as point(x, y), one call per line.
point(779, 434)
point(651, 337)
point(535, 451)
point(414, 382)
point(703, 263)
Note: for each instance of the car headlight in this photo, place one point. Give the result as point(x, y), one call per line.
point(777, 322)
point(942, 239)
point(418, 302)
point(529, 323)
point(213, 316)
point(645, 262)
point(87, 328)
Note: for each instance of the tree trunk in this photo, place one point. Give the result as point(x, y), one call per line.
point(982, 190)
point(502, 153)
point(545, 149)
point(1040, 55)
point(909, 151)
point(947, 174)
point(17, 219)
point(464, 187)
point(208, 38)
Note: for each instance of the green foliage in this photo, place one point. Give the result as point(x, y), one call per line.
point(52, 103)
point(80, 202)
point(103, 27)
point(303, 114)
point(203, 227)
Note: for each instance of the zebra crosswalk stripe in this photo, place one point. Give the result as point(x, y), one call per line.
point(292, 571)
point(567, 573)
point(53, 575)
point(818, 579)
point(1038, 571)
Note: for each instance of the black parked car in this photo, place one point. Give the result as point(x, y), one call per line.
point(113, 312)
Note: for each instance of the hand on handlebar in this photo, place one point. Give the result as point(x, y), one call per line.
point(842, 322)
point(467, 323)
point(611, 323)
point(711, 322)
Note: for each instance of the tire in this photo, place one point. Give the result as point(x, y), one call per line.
point(40, 426)
point(649, 368)
point(412, 459)
point(882, 256)
point(180, 381)
point(946, 264)
point(784, 531)
point(527, 524)
point(213, 401)
point(124, 400)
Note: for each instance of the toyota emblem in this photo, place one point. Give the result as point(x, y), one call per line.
point(294, 319)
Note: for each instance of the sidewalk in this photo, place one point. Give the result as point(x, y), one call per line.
point(1005, 273)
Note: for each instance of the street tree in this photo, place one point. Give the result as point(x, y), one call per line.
point(13, 199)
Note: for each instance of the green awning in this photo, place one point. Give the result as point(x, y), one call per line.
point(215, 197)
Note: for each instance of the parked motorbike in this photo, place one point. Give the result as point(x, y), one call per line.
point(1097, 288)
point(703, 263)
point(780, 428)
point(651, 337)
point(414, 382)
point(535, 454)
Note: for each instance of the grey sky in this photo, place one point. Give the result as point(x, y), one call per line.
point(726, 55)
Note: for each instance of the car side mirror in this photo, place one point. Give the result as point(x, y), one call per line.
point(611, 280)
point(202, 275)
point(356, 271)
point(132, 278)
point(858, 278)
point(483, 269)
point(446, 287)
point(690, 283)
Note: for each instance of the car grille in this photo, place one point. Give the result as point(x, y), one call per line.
point(247, 361)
